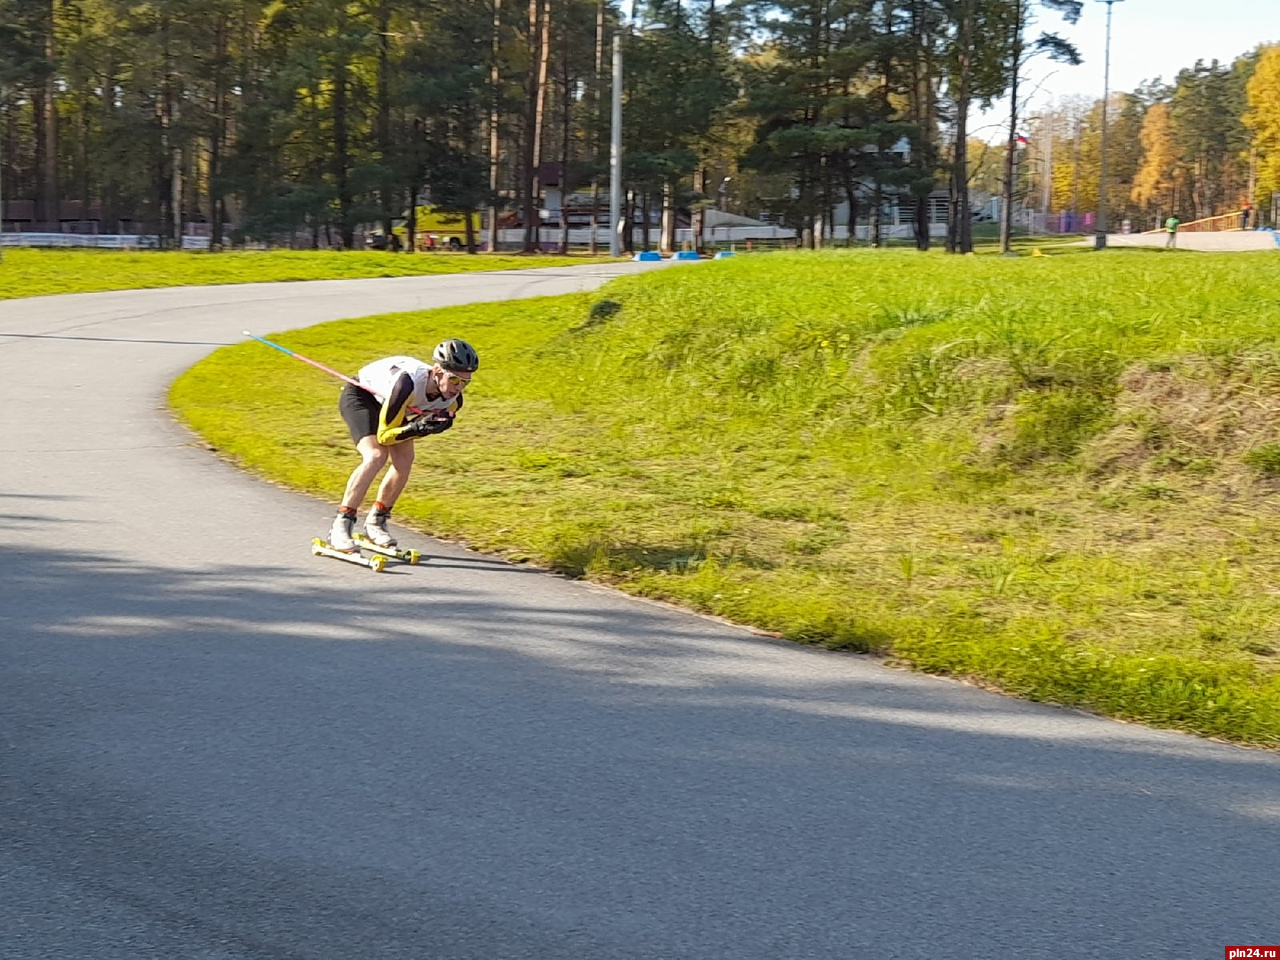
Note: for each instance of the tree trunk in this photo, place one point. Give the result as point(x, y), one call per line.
point(1075, 176)
point(877, 214)
point(922, 236)
point(168, 192)
point(597, 85)
point(922, 108)
point(109, 190)
point(341, 156)
point(544, 59)
point(411, 225)
point(525, 175)
point(495, 100)
point(177, 201)
point(667, 235)
point(959, 216)
point(851, 195)
point(45, 114)
point(539, 48)
point(699, 223)
point(566, 147)
point(385, 188)
point(1011, 145)
point(469, 232)
point(217, 207)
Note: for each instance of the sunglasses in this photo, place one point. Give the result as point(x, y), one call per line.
point(455, 378)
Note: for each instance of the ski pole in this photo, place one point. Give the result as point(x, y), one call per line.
point(319, 366)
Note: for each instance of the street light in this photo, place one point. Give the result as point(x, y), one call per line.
point(615, 151)
point(1100, 237)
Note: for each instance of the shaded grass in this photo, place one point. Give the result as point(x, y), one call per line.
point(36, 272)
point(1052, 475)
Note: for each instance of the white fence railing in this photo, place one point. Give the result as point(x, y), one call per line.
point(107, 241)
point(581, 236)
point(714, 236)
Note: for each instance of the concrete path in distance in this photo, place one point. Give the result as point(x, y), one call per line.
point(1213, 242)
point(215, 746)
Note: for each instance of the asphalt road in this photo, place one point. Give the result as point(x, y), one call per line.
point(215, 746)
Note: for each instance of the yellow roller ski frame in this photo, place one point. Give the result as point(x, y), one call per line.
point(320, 548)
point(404, 556)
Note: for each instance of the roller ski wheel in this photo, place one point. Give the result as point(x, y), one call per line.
point(321, 548)
point(404, 556)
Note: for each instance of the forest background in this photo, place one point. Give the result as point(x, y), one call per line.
point(296, 122)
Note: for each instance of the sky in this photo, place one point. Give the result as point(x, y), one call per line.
point(1149, 39)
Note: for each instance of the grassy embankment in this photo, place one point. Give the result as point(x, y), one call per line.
point(1056, 475)
point(31, 273)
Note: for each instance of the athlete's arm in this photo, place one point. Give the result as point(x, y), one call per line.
point(395, 411)
point(394, 425)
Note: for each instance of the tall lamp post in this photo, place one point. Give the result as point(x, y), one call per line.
point(1100, 237)
point(615, 152)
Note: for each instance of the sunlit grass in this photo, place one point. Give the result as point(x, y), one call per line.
point(1054, 475)
point(32, 272)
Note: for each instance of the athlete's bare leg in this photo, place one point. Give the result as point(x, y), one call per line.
point(373, 456)
point(401, 456)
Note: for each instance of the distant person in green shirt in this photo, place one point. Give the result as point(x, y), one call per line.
point(1171, 225)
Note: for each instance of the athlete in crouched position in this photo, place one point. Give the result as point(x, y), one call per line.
point(419, 400)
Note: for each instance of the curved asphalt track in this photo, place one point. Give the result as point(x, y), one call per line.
point(214, 746)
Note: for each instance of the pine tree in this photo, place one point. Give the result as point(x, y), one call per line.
point(1263, 119)
point(1155, 188)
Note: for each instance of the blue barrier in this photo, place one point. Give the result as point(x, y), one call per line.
point(647, 255)
point(687, 255)
point(723, 254)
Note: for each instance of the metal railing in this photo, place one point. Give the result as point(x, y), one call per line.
point(1228, 221)
point(1219, 224)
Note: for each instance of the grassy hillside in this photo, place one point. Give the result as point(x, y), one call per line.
point(28, 272)
point(1056, 475)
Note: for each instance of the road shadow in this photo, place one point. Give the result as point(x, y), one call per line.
point(316, 766)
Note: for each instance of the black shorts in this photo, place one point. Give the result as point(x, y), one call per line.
point(360, 410)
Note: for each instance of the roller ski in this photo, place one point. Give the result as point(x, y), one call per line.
point(365, 542)
point(320, 548)
point(376, 538)
point(341, 545)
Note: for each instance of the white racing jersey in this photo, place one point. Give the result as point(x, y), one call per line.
point(381, 375)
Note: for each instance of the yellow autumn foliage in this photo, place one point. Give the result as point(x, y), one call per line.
point(1263, 118)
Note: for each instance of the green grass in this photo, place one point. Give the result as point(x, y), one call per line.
point(1054, 475)
point(32, 273)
